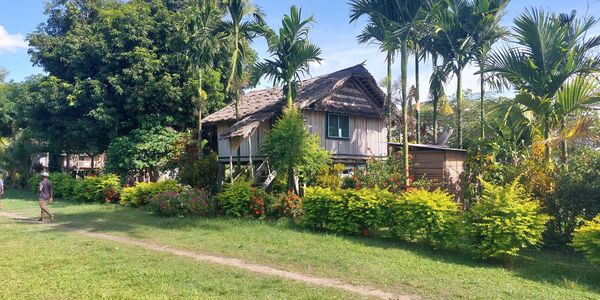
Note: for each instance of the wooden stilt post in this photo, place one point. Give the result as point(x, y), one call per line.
point(231, 166)
point(250, 164)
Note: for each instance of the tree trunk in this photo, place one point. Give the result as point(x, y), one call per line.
point(92, 163)
point(68, 163)
point(417, 100)
point(291, 186)
point(564, 145)
point(435, 103)
point(388, 83)
point(548, 150)
point(481, 95)
point(403, 66)
point(459, 99)
point(290, 97)
point(234, 58)
point(200, 107)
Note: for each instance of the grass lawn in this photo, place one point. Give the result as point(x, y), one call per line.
point(39, 264)
point(394, 267)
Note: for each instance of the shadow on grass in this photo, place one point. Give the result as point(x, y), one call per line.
point(563, 268)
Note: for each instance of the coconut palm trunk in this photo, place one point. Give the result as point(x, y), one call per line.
point(435, 103)
point(547, 148)
point(200, 107)
point(459, 96)
point(481, 97)
point(417, 100)
point(403, 66)
point(388, 96)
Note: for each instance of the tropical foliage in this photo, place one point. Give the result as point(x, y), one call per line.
point(586, 239)
point(504, 221)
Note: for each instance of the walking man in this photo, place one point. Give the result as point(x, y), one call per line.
point(45, 196)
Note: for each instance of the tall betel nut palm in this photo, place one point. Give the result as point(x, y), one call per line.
point(403, 16)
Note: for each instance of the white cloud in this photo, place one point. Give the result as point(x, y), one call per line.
point(11, 42)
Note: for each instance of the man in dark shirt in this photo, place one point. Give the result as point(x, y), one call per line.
point(45, 196)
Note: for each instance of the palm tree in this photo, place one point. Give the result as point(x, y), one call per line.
point(452, 21)
point(291, 54)
point(200, 17)
point(418, 42)
point(381, 32)
point(245, 21)
point(548, 54)
point(403, 15)
point(439, 77)
point(574, 96)
point(486, 32)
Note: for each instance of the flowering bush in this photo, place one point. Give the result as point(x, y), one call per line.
point(190, 202)
point(587, 239)
point(287, 205)
point(384, 174)
point(142, 192)
point(240, 199)
point(104, 188)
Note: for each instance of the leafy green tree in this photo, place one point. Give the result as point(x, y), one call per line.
point(115, 66)
point(550, 50)
point(291, 54)
point(292, 150)
point(148, 149)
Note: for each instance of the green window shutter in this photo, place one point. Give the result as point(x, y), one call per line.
point(344, 126)
point(332, 124)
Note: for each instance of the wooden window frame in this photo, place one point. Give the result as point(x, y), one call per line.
point(327, 127)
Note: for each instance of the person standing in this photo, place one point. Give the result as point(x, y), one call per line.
point(45, 196)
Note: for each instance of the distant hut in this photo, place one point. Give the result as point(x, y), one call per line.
point(440, 164)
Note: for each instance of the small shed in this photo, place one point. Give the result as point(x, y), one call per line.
point(437, 163)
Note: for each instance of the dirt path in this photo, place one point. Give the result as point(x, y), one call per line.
point(363, 290)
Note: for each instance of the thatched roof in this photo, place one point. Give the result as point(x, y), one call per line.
point(315, 93)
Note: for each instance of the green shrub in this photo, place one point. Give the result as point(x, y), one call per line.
point(577, 196)
point(189, 202)
point(587, 240)
point(344, 211)
point(142, 192)
point(330, 176)
point(316, 205)
point(421, 215)
point(240, 199)
point(504, 220)
point(63, 185)
point(200, 173)
point(104, 188)
point(33, 183)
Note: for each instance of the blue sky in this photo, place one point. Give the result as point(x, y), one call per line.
point(331, 32)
